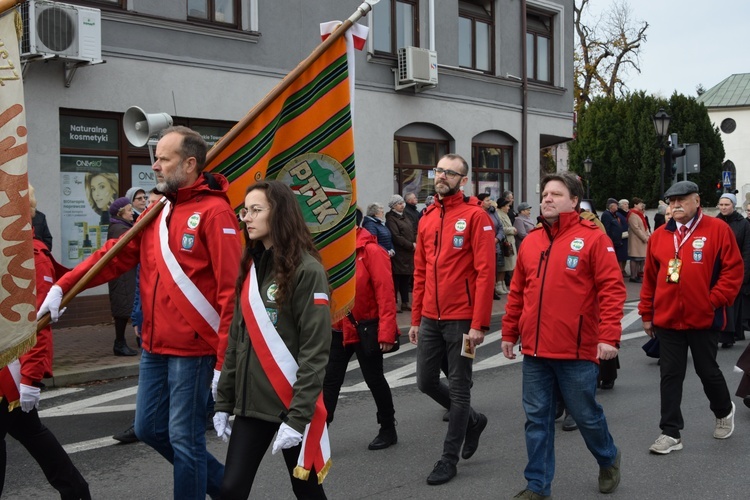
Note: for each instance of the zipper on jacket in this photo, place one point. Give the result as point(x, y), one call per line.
point(578, 340)
point(541, 295)
point(243, 337)
point(438, 246)
point(468, 291)
point(541, 261)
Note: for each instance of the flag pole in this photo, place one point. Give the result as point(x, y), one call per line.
point(8, 4)
point(288, 80)
point(82, 284)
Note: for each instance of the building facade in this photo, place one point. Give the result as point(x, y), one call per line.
point(504, 92)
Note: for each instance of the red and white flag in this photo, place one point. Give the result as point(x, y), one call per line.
point(17, 274)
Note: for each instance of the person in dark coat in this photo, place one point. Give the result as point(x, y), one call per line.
point(404, 238)
point(39, 223)
point(659, 218)
point(374, 222)
point(614, 228)
point(410, 210)
point(121, 289)
point(741, 229)
point(623, 210)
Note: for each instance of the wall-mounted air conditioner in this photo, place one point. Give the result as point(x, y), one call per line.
point(54, 29)
point(416, 68)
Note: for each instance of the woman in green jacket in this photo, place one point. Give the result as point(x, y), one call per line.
point(279, 341)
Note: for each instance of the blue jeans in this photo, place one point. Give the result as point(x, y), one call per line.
point(577, 382)
point(436, 339)
point(170, 417)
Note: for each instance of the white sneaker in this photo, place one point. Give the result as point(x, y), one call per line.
point(725, 426)
point(665, 444)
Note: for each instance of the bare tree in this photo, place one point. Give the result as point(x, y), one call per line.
point(606, 51)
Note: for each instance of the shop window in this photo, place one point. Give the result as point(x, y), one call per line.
point(492, 169)
point(414, 160)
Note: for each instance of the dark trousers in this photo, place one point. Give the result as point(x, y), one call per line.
point(372, 371)
point(401, 286)
point(703, 345)
point(250, 439)
point(27, 429)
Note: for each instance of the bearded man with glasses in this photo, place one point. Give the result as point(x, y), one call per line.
point(454, 279)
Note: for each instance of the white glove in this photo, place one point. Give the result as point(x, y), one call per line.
point(30, 397)
point(286, 438)
point(215, 383)
point(222, 426)
point(51, 304)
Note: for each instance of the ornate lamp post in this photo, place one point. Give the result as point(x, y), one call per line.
point(587, 163)
point(661, 125)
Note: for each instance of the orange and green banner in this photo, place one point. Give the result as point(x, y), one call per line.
point(304, 138)
point(17, 275)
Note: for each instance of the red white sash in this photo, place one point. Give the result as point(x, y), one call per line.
point(10, 380)
point(191, 303)
point(281, 370)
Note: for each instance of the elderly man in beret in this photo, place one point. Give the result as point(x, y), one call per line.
point(693, 272)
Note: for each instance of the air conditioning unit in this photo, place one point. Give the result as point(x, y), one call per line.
point(416, 67)
point(60, 30)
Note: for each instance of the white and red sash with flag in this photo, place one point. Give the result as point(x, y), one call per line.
point(190, 301)
point(281, 369)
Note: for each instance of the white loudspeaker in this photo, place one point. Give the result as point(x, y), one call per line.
point(139, 125)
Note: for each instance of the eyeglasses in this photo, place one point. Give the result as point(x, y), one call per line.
point(141, 198)
point(252, 212)
point(448, 173)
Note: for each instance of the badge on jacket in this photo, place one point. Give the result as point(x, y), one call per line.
point(572, 261)
point(188, 240)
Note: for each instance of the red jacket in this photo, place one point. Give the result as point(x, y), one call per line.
point(567, 293)
point(454, 263)
point(207, 248)
point(710, 278)
point(374, 295)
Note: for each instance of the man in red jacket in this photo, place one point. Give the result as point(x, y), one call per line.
point(454, 280)
point(565, 304)
point(693, 272)
point(189, 260)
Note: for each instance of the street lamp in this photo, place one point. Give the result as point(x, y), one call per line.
point(661, 124)
point(587, 163)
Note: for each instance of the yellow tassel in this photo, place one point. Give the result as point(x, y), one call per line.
point(17, 351)
point(323, 473)
point(301, 473)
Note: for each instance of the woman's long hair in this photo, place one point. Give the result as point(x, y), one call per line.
point(289, 234)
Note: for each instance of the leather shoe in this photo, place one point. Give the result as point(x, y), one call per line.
point(746, 400)
point(569, 424)
point(447, 416)
point(386, 437)
point(442, 473)
point(121, 349)
point(471, 441)
point(608, 384)
point(126, 437)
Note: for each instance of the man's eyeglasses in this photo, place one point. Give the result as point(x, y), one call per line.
point(448, 173)
point(252, 212)
point(140, 198)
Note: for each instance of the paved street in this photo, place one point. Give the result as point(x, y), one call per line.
point(84, 417)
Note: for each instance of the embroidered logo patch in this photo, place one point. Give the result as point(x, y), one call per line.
point(698, 244)
point(572, 261)
point(458, 241)
point(194, 220)
point(576, 245)
point(271, 292)
point(188, 240)
point(461, 225)
point(697, 255)
point(273, 315)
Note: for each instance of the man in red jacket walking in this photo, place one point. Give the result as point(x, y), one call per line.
point(565, 303)
point(693, 272)
point(454, 280)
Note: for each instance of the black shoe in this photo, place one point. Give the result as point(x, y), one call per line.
point(559, 409)
point(495, 296)
point(608, 384)
point(569, 424)
point(127, 436)
point(636, 280)
point(122, 349)
point(727, 345)
point(442, 473)
point(746, 400)
point(386, 437)
point(471, 441)
point(447, 416)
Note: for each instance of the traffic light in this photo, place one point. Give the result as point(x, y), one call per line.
point(719, 188)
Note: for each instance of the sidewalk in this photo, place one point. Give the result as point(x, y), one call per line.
point(84, 354)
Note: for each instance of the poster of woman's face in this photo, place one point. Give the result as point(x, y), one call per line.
point(101, 190)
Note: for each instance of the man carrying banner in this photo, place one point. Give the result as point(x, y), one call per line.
point(190, 257)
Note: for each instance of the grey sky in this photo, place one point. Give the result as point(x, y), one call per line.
point(690, 42)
